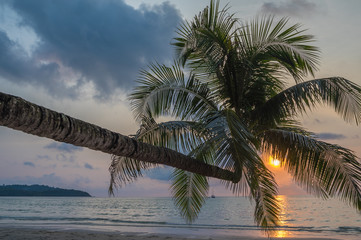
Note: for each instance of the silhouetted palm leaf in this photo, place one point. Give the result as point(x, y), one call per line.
point(125, 170)
point(343, 95)
point(189, 191)
point(322, 168)
point(165, 91)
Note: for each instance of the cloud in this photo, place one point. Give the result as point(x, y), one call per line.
point(30, 164)
point(160, 173)
point(17, 66)
point(88, 166)
point(297, 8)
point(95, 46)
point(45, 157)
point(65, 152)
point(63, 147)
point(48, 179)
point(330, 136)
point(64, 158)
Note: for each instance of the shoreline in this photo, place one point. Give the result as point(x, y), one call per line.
point(140, 219)
point(20, 233)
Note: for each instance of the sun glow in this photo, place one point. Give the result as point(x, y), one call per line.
point(275, 162)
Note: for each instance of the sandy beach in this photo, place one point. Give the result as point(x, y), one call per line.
point(156, 218)
point(43, 234)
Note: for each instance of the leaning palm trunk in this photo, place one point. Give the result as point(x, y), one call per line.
point(18, 114)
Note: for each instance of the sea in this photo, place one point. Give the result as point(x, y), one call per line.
point(302, 216)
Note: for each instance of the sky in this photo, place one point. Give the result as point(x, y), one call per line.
point(82, 58)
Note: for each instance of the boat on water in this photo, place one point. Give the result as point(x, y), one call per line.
point(213, 196)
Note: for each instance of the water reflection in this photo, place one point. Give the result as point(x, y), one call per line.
point(281, 232)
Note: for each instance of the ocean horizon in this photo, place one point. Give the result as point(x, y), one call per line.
point(302, 216)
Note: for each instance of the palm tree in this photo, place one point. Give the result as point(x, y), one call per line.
point(227, 97)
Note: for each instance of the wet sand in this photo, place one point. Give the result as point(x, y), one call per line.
point(33, 234)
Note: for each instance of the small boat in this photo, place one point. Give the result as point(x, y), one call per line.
point(213, 196)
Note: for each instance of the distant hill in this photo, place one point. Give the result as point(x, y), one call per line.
point(39, 190)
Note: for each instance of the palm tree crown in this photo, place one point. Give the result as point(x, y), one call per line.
point(227, 94)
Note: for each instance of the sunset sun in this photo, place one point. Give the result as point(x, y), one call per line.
point(275, 162)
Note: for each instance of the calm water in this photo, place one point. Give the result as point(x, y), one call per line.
point(302, 216)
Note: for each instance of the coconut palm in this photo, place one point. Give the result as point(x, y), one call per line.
point(229, 103)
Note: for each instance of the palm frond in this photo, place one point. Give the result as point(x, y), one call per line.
point(189, 192)
point(233, 143)
point(165, 91)
point(240, 188)
point(343, 95)
point(265, 40)
point(264, 191)
point(343, 175)
point(321, 168)
point(178, 135)
point(206, 46)
point(125, 170)
point(205, 35)
point(181, 136)
point(260, 181)
point(245, 143)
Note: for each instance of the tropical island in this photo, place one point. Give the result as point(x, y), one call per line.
point(39, 191)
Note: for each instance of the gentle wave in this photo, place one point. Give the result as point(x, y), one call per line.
point(300, 215)
point(118, 222)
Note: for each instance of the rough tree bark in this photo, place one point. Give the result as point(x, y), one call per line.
point(19, 114)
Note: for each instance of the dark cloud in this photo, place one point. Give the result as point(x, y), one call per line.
point(12, 58)
point(17, 66)
point(88, 166)
point(30, 164)
point(297, 8)
point(63, 147)
point(102, 42)
point(330, 136)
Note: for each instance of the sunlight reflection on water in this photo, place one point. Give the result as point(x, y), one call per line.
point(281, 233)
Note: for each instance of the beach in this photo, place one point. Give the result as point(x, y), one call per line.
point(30, 234)
point(157, 218)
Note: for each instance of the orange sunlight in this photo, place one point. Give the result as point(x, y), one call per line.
point(286, 184)
point(275, 162)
